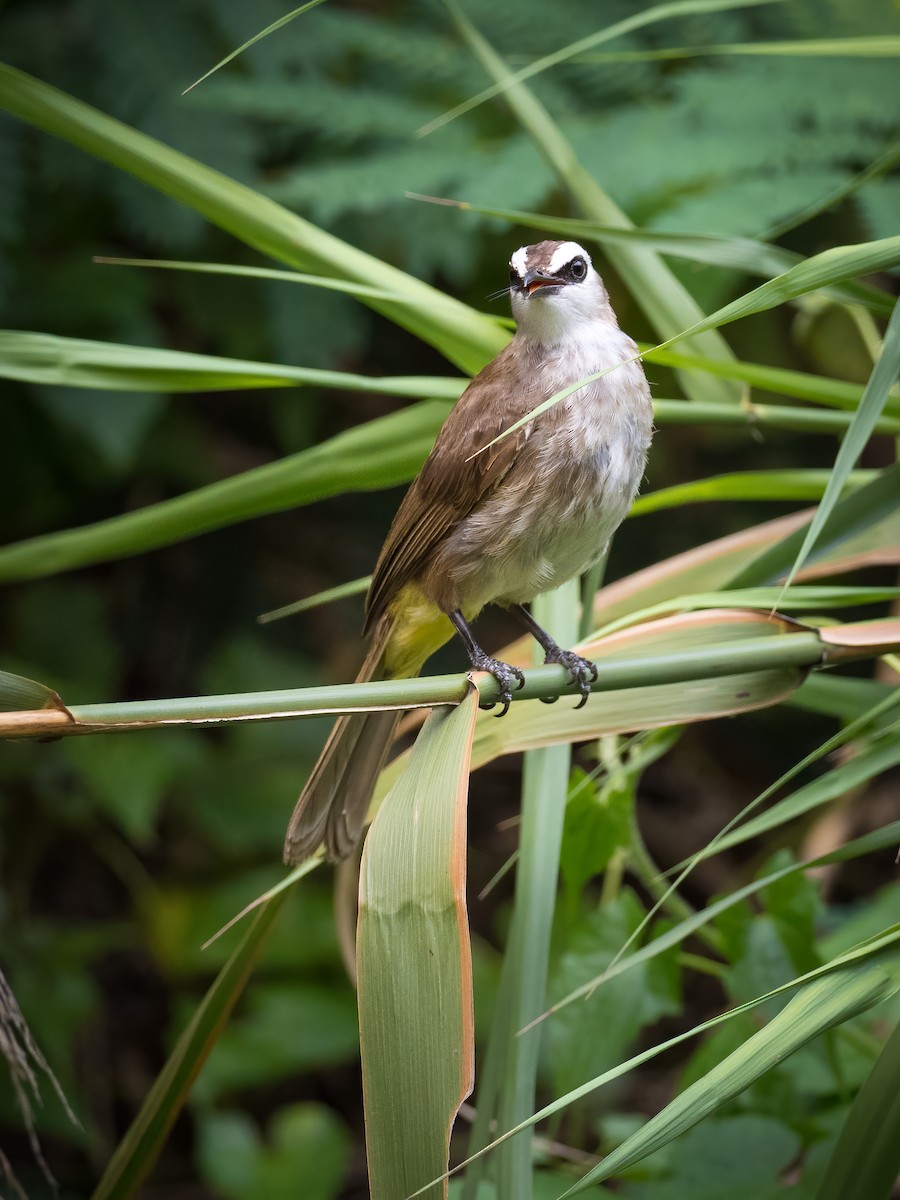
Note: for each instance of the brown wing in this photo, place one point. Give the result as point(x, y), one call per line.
point(452, 483)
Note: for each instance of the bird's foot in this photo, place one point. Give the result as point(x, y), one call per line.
point(504, 674)
point(581, 672)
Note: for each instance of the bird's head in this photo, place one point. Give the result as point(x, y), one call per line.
point(554, 291)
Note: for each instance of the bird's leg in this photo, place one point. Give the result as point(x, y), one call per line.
point(582, 670)
point(501, 671)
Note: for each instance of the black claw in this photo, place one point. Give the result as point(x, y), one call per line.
point(504, 674)
point(581, 671)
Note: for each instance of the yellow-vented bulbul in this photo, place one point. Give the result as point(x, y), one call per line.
point(501, 527)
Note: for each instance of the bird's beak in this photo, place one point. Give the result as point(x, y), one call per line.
point(538, 279)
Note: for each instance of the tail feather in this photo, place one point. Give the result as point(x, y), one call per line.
point(333, 804)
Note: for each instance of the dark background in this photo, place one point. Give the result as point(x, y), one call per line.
point(118, 857)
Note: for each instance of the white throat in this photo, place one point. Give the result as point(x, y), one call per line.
point(556, 317)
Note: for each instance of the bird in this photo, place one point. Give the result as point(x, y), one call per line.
point(495, 521)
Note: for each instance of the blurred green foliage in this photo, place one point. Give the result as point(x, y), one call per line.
point(120, 856)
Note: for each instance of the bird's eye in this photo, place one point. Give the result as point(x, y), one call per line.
point(513, 276)
point(578, 268)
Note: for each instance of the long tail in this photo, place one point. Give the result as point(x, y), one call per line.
point(333, 805)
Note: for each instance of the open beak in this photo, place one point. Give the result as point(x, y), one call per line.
point(538, 279)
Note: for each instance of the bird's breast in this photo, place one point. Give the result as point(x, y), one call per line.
point(573, 481)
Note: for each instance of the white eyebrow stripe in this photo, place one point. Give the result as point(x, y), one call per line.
point(564, 254)
point(519, 261)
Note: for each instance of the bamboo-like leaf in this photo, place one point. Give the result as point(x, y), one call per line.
point(465, 336)
point(821, 1005)
point(379, 454)
point(279, 24)
point(78, 362)
point(18, 694)
point(865, 1161)
point(861, 509)
point(874, 398)
point(137, 1152)
point(414, 962)
point(659, 12)
point(668, 305)
point(720, 250)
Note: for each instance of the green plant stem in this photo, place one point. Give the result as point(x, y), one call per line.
point(649, 874)
point(802, 649)
point(545, 781)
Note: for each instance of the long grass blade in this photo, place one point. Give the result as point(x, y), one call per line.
point(137, 1153)
point(874, 398)
point(240, 271)
point(798, 484)
point(279, 24)
point(379, 454)
point(859, 955)
point(78, 362)
point(881, 46)
point(836, 393)
point(659, 12)
point(465, 336)
point(821, 1005)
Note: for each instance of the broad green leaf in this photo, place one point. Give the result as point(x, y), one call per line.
point(304, 1154)
point(136, 1154)
point(873, 400)
point(380, 454)
point(466, 337)
point(667, 304)
point(414, 961)
point(719, 250)
point(821, 1005)
point(78, 362)
point(279, 24)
